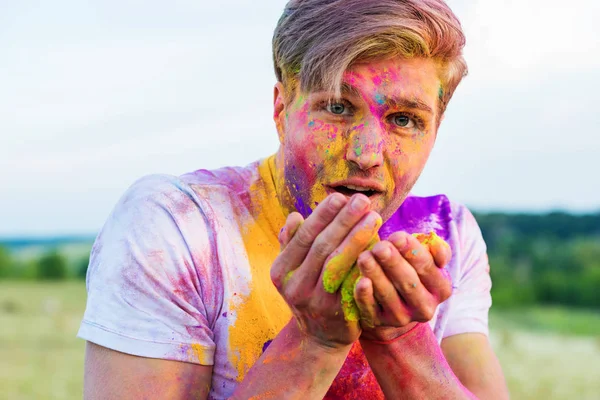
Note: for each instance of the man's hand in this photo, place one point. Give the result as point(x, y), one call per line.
point(403, 283)
point(337, 225)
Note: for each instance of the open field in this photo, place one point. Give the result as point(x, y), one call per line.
point(546, 353)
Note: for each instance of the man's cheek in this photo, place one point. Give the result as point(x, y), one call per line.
point(325, 138)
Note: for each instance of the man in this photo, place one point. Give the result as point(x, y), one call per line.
point(226, 283)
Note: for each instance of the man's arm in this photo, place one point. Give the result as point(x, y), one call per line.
point(110, 374)
point(413, 366)
point(473, 361)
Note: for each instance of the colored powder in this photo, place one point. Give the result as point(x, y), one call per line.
point(288, 277)
point(260, 312)
point(441, 92)
point(427, 238)
point(379, 99)
point(302, 208)
point(336, 269)
point(358, 151)
point(331, 276)
point(199, 352)
point(349, 307)
point(356, 380)
point(420, 214)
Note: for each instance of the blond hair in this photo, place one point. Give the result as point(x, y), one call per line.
point(316, 41)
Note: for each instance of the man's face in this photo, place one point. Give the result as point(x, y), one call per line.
point(376, 139)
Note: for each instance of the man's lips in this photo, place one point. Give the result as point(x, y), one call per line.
point(352, 186)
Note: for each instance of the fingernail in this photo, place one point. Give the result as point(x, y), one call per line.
point(359, 203)
point(337, 202)
point(401, 241)
point(384, 253)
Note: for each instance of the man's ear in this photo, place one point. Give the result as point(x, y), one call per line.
point(279, 109)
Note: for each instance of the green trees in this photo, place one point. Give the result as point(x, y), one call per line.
point(544, 259)
point(5, 262)
point(52, 266)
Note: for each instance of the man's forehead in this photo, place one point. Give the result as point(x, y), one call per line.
point(405, 73)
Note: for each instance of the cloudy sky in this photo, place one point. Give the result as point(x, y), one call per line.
point(96, 95)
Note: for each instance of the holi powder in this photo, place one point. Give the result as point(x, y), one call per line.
point(288, 276)
point(355, 380)
point(262, 313)
point(334, 278)
point(427, 238)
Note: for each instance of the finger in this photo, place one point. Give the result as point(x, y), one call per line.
point(384, 290)
point(293, 222)
point(440, 251)
point(366, 303)
point(420, 303)
point(328, 240)
point(299, 245)
point(339, 263)
point(418, 256)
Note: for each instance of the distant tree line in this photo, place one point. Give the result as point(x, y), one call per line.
point(49, 266)
point(551, 259)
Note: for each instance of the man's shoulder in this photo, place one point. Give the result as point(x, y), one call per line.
point(233, 179)
point(201, 186)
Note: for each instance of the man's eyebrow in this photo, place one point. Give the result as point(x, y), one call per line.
point(399, 102)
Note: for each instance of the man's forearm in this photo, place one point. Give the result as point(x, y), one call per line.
point(413, 367)
point(292, 367)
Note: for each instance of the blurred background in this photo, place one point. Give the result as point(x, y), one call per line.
point(94, 95)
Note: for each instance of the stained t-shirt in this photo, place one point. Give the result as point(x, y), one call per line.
point(181, 271)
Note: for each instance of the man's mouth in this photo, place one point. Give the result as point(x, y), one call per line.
point(349, 189)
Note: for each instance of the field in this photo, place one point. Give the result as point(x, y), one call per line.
point(546, 353)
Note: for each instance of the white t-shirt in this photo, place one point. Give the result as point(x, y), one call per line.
point(180, 271)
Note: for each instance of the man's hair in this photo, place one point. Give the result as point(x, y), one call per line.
point(316, 41)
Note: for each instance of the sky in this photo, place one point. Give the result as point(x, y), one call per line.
point(94, 95)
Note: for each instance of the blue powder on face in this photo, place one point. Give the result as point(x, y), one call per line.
point(311, 124)
point(379, 99)
point(302, 208)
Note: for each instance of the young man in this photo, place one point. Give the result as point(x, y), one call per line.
point(226, 284)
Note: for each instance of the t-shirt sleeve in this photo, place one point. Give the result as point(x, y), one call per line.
point(150, 289)
point(471, 298)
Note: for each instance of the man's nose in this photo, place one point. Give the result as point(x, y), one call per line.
point(365, 147)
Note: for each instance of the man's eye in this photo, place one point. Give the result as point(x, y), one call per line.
point(336, 108)
point(403, 121)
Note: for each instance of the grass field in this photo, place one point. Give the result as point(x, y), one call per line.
point(546, 353)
